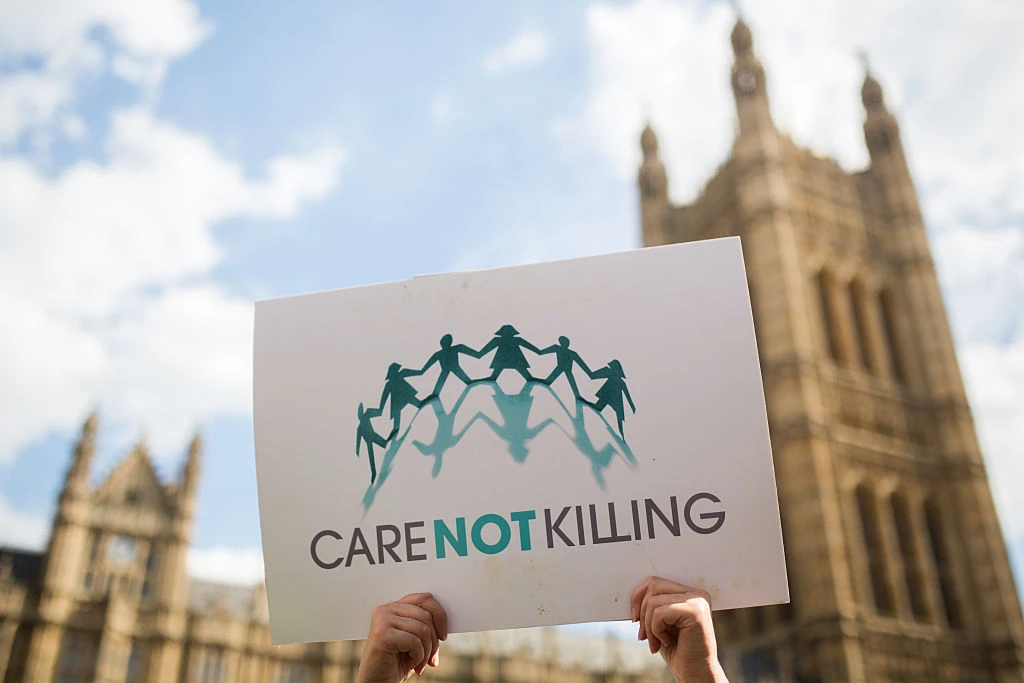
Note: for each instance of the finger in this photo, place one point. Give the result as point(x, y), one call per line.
point(658, 586)
point(406, 643)
point(666, 616)
point(426, 618)
point(435, 616)
point(669, 613)
point(646, 609)
point(644, 631)
point(422, 632)
point(637, 597)
point(428, 602)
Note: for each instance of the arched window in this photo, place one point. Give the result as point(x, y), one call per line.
point(138, 660)
point(943, 568)
point(77, 660)
point(875, 549)
point(862, 321)
point(824, 284)
point(908, 549)
point(149, 576)
point(212, 669)
point(887, 304)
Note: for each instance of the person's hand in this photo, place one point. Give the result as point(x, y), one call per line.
point(675, 620)
point(404, 637)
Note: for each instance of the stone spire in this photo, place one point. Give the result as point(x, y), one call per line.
point(189, 477)
point(881, 132)
point(77, 479)
point(651, 178)
point(653, 183)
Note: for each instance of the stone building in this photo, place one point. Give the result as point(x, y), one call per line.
point(897, 567)
point(110, 601)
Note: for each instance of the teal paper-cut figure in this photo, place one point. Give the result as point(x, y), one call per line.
point(401, 392)
point(366, 432)
point(448, 360)
point(515, 410)
point(508, 353)
point(564, 360)
point(612, 391)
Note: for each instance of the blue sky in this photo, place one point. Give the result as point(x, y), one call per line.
point(162, 167)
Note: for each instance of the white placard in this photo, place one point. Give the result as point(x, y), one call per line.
point(543, 438)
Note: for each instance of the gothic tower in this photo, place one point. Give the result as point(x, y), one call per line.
point(898, 570)
point(113, 598)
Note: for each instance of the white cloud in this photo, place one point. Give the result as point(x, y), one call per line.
point(994, 374)
point(158, 28)
point(982, 274)
point(983, 278)
point(226, 565)
point(142, 39)
point(665, 60)
point(31, 98)
point(21, 530)
point(176, 360)
point(95, 266)
point(527, 49)
point(104, 288)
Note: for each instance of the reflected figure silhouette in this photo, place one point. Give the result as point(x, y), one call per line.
point(515, 410)
point(445, 438)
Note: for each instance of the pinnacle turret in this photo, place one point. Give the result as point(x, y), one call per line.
point(81, 460)
point(189, 477)
point(749, 86)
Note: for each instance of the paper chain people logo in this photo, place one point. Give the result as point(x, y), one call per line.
point(514, 409)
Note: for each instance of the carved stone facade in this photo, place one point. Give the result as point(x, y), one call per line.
point(897, 566)
point(110, 601)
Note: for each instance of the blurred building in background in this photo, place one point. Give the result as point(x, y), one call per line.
point(897, 566)
point(110, 601)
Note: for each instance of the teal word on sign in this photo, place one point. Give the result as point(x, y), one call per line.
point(457, 540)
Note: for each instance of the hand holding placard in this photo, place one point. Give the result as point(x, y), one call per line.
point(674, 619)
point(404, 637)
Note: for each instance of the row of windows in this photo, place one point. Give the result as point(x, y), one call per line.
point(915, 560)
point(78, 663)
point(77, 657)
point(872, 343)
point(210, 665)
